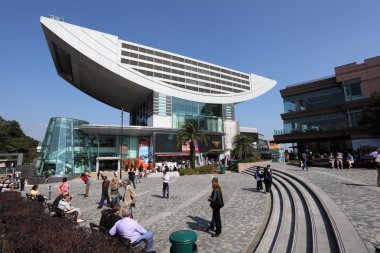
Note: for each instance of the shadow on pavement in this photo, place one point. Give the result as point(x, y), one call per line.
point(249, 189)
point(157, 196)
point(357, 184)
point(198, 224)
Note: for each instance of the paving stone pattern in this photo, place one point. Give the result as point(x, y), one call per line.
point(353, 190)
point(186, 208)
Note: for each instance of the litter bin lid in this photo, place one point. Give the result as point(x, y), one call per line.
point(183, 236)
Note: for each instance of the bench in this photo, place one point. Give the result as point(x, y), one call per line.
point(30, 197)
point(57, 212)
point(139, 246)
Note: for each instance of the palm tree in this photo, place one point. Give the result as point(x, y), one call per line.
point(243, 146)
point(190, 132)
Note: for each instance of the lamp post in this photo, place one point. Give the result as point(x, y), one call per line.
point(121, 140)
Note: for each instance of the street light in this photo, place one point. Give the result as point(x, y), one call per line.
point(121, 139)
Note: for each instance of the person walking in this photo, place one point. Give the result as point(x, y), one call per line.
point(267, 179)
point(303, 160)
point(87, 181)
point(113, 191)
point(131, 177)
point(129, 196)
point(165, 186)
point(105, 196)
point(216, 203)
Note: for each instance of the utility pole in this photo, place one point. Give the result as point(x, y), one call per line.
point(121, 140)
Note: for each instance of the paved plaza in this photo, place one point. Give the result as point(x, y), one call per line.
point(354, 191)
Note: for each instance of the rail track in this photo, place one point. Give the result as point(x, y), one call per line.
point(305, 219)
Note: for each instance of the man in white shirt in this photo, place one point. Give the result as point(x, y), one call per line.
point(165, 187)
point(65, 205)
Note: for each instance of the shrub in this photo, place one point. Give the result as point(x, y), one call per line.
point(206, 169)
point(25, 227)
point(255, 158)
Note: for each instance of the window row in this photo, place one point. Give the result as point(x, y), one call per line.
point(178, 72)
point(177, 65)
point(183, 80)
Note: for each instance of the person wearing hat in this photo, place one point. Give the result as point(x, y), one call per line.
point(105, 185)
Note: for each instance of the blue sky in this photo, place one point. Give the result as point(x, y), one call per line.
point(289, 41)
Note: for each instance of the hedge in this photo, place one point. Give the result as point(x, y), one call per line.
point(25, 226)
point(207, 169)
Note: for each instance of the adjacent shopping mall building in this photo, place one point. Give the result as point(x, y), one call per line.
point(323, 115)
point(159, 89)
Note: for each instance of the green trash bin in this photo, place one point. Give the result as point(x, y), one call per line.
point(222, 169)
point(183, 241)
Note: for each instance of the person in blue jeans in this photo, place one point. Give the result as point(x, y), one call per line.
point(105, 185)
point(130, 229)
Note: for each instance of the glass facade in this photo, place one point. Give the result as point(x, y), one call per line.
point(209, 116)
point(65, 149)
point(314, 100)
point(68, 150)
point(325, 122)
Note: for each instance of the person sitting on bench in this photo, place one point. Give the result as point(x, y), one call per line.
point(131, 230)
point(65, 205)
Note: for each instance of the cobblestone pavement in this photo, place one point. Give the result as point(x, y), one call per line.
point(353, 190)
point(187, 208)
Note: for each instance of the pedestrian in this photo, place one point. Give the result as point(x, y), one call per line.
point(98, 174)
point(216, 203)
point(376, 158)
point(104, 197)
point(63, 187)
point(131, 177)
point(87, 181)
point(267, 179)
point(113, 191)
point(165, 186)
point(339, 160)
point(129, 196)
point(303, 160)
point(350, 160)
point(332, 160)
point(137, 176)
point(22, 183)
point(46, 177)
point(259, 179)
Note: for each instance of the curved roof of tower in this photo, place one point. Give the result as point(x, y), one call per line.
point(121, 73)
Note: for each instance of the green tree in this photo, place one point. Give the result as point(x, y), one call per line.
point(191, 133)
point(13, 140)
point(371, 114)
point(243, 147)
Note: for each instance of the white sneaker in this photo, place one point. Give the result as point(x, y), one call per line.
point(79, 220)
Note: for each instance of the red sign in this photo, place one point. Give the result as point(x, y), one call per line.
point(186, 147)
